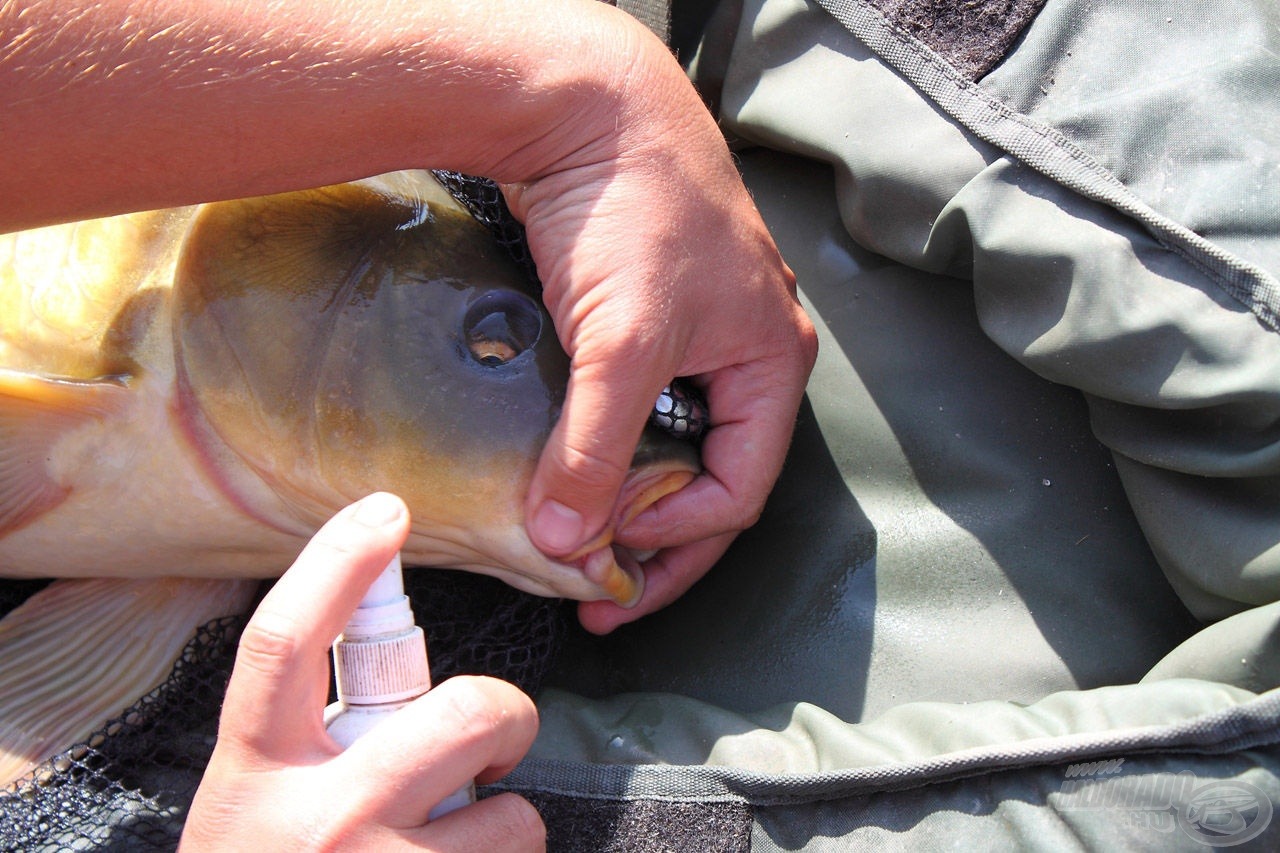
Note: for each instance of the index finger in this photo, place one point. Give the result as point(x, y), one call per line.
point(278, 687)
point(588, 454)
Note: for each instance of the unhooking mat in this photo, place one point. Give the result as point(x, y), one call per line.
point(1017, 587)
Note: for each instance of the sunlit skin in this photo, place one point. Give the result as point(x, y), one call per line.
point(277, 781)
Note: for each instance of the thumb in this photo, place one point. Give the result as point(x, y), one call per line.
point(575, 488)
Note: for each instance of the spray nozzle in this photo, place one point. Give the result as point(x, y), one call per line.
point(381, 655)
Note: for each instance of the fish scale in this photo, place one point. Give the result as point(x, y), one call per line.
point(63, 290)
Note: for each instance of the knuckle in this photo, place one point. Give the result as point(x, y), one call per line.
point(333, 542)
point(472, 712)
point(523, 822)
point(486, 711)
point(590, 468)
point(745, 516)
point(267, 644)
point(801, 339)
point(808, 342)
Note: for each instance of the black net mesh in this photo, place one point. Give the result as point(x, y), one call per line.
point(482, 197)
point(477, 625)
point(129, 785)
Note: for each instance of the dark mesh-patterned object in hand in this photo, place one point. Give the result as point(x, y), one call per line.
point(682, 411)
point(484, 200)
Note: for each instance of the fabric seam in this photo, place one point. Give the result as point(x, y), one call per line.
point(983, 115)
point(1245, 726)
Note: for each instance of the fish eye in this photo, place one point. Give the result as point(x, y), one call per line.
point(500, 325)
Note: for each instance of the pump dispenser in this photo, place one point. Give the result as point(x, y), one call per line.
point(380, 665)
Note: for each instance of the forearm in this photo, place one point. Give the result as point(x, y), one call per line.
point(119, 105)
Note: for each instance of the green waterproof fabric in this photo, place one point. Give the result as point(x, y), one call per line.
point(1018, 585)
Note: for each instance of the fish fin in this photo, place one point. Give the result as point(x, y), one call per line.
point(35, 412)
point(80, 651)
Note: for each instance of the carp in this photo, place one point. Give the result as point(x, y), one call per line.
point(186, 395)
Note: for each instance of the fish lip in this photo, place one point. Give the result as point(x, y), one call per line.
point(641, 490)
point(645, 488)
point(613, 568)
point(615, 571)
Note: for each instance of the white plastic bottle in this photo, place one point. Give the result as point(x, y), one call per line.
point(380, 665)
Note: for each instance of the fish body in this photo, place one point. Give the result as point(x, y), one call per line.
point(187, 395)
point(195, 391)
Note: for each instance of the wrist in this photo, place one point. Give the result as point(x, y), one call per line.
point(571, 83)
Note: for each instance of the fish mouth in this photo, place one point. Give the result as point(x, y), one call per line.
point(616, 569)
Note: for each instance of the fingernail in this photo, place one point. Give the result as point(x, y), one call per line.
point(557, 527)
point(377, 510)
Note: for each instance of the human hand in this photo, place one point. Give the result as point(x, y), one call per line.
point(656, 264)
point(278, 781)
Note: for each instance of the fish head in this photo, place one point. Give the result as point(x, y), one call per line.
point(374, 336)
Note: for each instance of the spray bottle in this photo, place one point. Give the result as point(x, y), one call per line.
point(380, 665)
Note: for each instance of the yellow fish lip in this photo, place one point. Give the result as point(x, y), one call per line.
point(616, 572)
point(613, 568)
point(644, 489)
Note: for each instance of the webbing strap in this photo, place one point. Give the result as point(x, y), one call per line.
point(654, 14)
